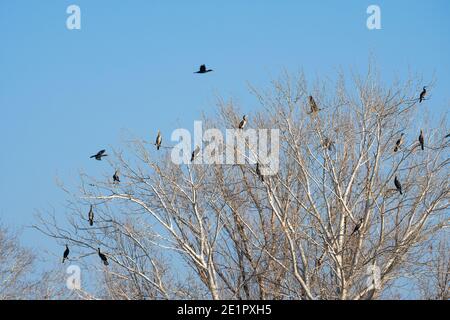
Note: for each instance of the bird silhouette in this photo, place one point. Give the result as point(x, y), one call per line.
point(357, 226)
point(243, 122)
point(328, 144)
point(195, 153)
point(258, 172)
point(158, 140)
point(103, 257)
point(398, 185)
point(423, 94)
point(66, 254)
point(313, 105)
point(203, 69)
point(421, 139)
point(91, 216)
point(399, 142)
point(98, 156)
point(116, 177)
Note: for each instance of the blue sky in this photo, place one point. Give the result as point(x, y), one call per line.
point(66, 94)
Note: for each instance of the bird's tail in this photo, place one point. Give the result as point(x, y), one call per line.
point(64, 259)
point(105, 263)
point(395, 149)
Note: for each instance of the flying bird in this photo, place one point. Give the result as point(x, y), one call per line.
point(158, 140)
point(398, 185)
point(399, 142)
point(203, 69)
point(66, 254)
point(421, 139)
point(99, 155)
point(103, 257)
point(358, 226)
point(258, 172)
point(195, 153)
point(243, 122)
point(423, 94)
point(91, 216)
point(313, 105)
point(116, 177)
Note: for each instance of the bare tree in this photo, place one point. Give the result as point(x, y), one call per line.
point(330, 224)
point(19, 278)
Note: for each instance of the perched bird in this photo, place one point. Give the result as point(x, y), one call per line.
point(91, 216)
point(423, 94)
point(258, 172)
point(158, 140)
point(203, 69)
point(328, 144)
point(421, 139)
point(313, 106)
point(66, 254)
point(103, 257)
point(398, 185)
point(116, 177)
point(243, 122)
point(195, 153)
point(358, 226)
point(399, 142)
point(99, 155)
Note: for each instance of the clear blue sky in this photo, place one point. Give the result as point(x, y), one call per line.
point(66, 94)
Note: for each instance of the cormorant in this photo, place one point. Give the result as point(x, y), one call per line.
point(99, 155)
point(358, 226)
point(258, 172)
point(116, 177)
point(91, 216)
point(399, 142)
point(421, 139)
point(243, 122)
point(328, 144)
point(398, 185)
point(103, 257)
point(66, 254)
point(195, 153)
point(313, 105)
point(158, 140)
point(423, 94)
point(203, 69)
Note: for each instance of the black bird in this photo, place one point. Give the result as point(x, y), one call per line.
point(328, 144)
point(195, 153)
point(398, 185)
point(358, 226)
point(399, 142)
point(243, 122)
point(423, 94)
point(313, 105)
point(91, 216)
point(66, 254)
point(116, 177)
point(99, 155)
point(203, 69)
point(158, 140)
point(421, 139)
point(103, 257)
point(258, 172)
